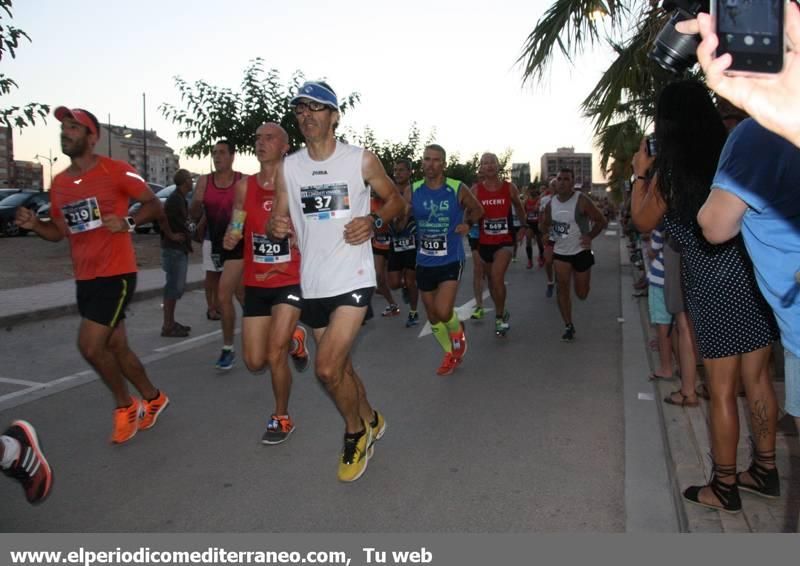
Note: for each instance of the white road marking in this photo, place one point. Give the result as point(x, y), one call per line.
point(178, 345)
point(20, 382)
point(647, 397)
point(464, 312)
point(610, 232)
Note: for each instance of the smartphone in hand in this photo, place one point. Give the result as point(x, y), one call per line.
point(752, 32)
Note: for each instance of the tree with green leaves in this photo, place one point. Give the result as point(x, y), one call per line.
point(622, 104)
point(10, 37)
point(208, 112)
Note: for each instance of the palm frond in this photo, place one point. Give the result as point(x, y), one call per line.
point(567, 24)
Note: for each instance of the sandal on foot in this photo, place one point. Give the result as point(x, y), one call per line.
point(765, 480)
point(727, 494)
point(655, 377)
point(702, 391)
point(684, 401)
point(176, 331)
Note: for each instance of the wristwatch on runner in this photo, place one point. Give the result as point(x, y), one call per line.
point(131, 223)
point(377, 220)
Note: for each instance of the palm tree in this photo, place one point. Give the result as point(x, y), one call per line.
point(622, 104)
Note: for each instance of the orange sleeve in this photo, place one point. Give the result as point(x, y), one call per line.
point(130, 181)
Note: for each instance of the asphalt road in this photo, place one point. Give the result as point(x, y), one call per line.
point(527, 436)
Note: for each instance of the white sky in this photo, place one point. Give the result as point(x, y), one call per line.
point(447, 65)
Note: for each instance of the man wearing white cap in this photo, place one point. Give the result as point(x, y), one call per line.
point(324, 189)
point(89, 201)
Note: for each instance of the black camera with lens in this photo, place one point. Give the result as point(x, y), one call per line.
point(672, 50)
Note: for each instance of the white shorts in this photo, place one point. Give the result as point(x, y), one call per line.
point(208, 262)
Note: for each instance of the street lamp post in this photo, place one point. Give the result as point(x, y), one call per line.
point(144, 137)
point(50, 161)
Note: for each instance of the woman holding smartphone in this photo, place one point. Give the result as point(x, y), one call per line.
point(734, 326)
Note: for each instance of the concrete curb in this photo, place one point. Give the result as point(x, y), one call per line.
point(9, 321)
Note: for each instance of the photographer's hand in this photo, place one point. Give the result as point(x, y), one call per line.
point(772, 100)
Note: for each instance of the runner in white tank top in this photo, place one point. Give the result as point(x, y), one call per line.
point(567, 216)
point(324, 189)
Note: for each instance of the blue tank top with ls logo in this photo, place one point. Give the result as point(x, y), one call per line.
point(438, 212)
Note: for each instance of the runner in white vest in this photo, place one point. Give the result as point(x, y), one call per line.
point(324, 189)
point(567, 219)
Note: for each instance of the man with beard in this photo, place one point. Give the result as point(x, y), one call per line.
point(89, 201)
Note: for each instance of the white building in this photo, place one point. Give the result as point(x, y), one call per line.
point(566, 158)
point(127, 144)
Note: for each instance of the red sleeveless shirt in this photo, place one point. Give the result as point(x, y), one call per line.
point(267, 263)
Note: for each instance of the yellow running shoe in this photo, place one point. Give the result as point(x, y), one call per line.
point(377, 432)
point(354, 458)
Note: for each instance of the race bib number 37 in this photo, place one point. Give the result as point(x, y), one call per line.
point(325, 202)
point(82, 215)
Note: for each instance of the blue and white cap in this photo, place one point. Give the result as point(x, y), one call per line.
point(318, 92)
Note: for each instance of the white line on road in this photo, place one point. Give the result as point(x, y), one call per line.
point(464, 312)
point(20, 382)
point(610, 232)
point(182, 343)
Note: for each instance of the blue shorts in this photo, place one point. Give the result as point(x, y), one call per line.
point(791, 367)
point(175, 263)
point(658, 306)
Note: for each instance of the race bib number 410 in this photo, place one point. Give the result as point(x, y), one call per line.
point(325, 202)
point(82, 215)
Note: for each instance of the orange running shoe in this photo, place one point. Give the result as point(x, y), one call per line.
point(152, 409)
point(126, 422)
point(298, 352)
point(449, 364)
point(459, 342)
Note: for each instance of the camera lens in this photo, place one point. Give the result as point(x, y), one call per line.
point(672, 50)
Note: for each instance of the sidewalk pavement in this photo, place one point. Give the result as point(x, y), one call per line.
point(50, 300)
point(684, 430)
point(688, 447)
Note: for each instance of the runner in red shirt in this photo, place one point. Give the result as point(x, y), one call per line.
point(272, 295)
point(497, 196)
point(89, 201)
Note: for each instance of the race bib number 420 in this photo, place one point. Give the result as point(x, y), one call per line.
point(82, 215)
point(269, 251)
point(325, 202)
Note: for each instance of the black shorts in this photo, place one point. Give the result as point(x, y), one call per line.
point(398, 261)
point(383, 252)
point(580, 262)
point(487, 251)
point(317, 312)
point(103, 300)
point(534, 227)
point(258, 301)
point(234, 254)
point(473, 243)
point(429, 278)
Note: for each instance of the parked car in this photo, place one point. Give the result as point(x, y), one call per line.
point(8, 192)
point(32, 200)
point(162, 195)
point(44, 212)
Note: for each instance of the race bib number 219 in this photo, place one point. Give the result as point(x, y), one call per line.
point(82, 215)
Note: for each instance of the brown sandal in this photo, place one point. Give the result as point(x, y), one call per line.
point(176, 331)
point(684, 402)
